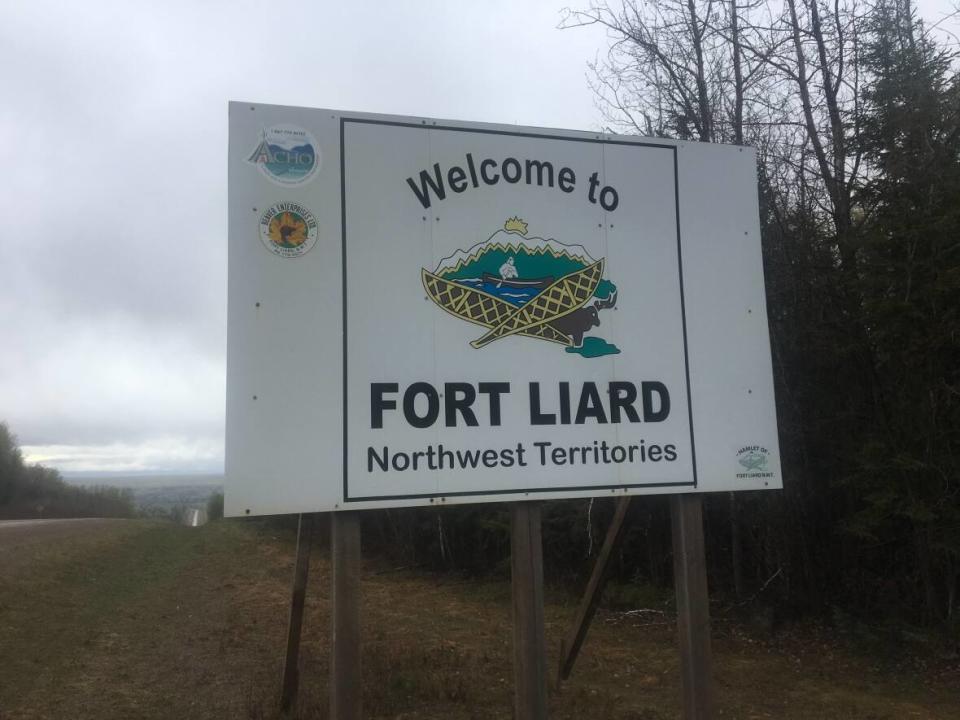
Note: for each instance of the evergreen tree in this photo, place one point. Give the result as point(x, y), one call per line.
point(11, 464)
point(30, 490)
point(911, 289)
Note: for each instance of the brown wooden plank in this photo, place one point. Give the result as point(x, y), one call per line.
point(345, 678)
point(693, 608)
point(529, 644)
point(291, 662)
point(571, 644)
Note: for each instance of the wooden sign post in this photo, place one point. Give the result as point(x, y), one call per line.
point(571, 644)
point(291, 663)
point(345, 678)
point(693, 605)
point(529, 642)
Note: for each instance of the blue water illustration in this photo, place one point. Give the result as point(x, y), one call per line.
point(291, 163)
point(513, 295)
point(594, 347)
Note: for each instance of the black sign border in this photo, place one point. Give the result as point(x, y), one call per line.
point(683, 312)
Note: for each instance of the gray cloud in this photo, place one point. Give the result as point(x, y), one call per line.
point(113, 197)
point(113, 249)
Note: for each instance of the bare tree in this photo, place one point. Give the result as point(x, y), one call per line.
point(781, 75)
point(678, 68)
point(681, 67)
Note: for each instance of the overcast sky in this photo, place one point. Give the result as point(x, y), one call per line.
point(113, 122)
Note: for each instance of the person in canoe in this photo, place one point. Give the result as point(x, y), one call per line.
point(508, 271)
point(510, 277)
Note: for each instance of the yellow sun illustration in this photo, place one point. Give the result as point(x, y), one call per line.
point(288, 230)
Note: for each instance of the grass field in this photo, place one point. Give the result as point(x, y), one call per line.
point(133, 619)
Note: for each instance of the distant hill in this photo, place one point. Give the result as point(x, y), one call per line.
point(156, 495)
point(143, 480)
point(162, 500)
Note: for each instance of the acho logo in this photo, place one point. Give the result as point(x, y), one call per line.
point(513, 284)
point(286, 155)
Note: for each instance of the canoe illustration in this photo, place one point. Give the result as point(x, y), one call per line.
point(540, 283)
point(479, 307)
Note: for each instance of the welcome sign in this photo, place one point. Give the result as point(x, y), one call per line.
point(427, 312)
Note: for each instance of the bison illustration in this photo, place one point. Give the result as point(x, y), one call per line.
point(582, 319)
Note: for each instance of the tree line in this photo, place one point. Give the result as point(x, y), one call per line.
point(854, 109)
point(34, 491)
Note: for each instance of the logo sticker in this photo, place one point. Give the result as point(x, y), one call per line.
point(754, 459)
point(288, 229)
point(286, 155)
point(515, 284)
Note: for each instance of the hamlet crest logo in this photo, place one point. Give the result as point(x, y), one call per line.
point(517, 284)
point(754, 460)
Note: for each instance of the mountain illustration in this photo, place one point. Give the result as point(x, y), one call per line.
point(533, 257)
point(296, 149)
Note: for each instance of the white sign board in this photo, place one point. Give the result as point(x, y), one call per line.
point(427, 312)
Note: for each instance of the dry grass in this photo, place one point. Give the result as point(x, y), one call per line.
point(158, 621)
